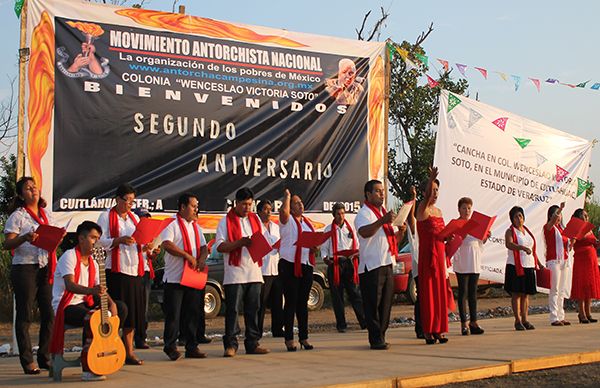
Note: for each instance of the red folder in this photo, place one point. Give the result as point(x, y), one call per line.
point(577, 228)
point(192, 278)
point(480, 225)
point(453, 245)
point(312, 239)
point(347, 252)
point(149, 228)
point(277, 244)
point(453, 227)
point(48, 237)
point(259, 247)
point(543, 277)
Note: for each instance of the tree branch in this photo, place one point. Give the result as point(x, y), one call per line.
point(377, 27)
point(362, 27)
point(421, 38)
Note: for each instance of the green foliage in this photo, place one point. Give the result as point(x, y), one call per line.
point(8, 171)
point(414, 112)
point(592, 207)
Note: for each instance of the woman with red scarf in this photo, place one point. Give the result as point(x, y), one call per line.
point(586, 277)
point(125, 265)
point(295, 269)
point(32, 272)
point(433, 283)
point(521, 263)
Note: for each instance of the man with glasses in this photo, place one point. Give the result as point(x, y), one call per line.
point(125, 265)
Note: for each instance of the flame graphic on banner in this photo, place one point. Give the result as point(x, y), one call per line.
point(376, 122)
point(41, 94)
point(87, 28)
point(203, 26)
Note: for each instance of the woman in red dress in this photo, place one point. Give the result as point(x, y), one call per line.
point(433, 297)
point(586, 276)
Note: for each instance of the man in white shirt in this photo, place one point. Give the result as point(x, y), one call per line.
point(183, 242)
point(341, 271)
point(272, 290)
point(242, 277)
point(378, 250)
point(82, 293)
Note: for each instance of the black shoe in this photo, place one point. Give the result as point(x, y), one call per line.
point(290, 346)
point(342, 330)
point(173, 354)
point(44, 364)
point(430, 340)
point(528, 326)
point(204, 340)
point(464, 330)
point(440, 338)
point(196, 353)
point(475, 330)
point(592, 320)
point(381, 346)
point(305, 345)
point(32, 371)
point(519, 326)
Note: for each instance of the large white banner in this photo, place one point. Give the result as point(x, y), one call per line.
point(500, 160)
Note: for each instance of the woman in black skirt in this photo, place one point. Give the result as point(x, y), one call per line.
point(521, 262)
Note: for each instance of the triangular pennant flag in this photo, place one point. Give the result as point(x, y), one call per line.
point(452, 101)
point(482, 71)
point(422, 58)
point(432, 83)
point(391, 50)
point(451, 122)
point(572, 86)
point(582, 186)
point(561, 173)
point(19, 7)
point(517, 80)
point(552, 81)
point(595, 86)
point(582, 84)
point(540, 159)
point(536, 82)
point(474, 116)
point(462, 68)
point(444, 63)
point(500, 122)
point(522, 142)
point(403, 53)
point(502, 75)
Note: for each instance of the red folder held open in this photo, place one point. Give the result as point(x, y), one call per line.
point(48, 237)
point(312, 239)
point(192, 278)
point(453, 227)
point(149, 228)
point(577, 228)
point(259, 247)
point(481, 225)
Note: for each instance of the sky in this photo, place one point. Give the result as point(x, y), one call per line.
point(538, 39)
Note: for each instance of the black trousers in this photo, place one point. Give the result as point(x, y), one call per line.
point(176, 299)
point(377, 288)
point(201, 330)
point(75, 314)
point(140, 335)
point(337, 294)
point(30, 284)
point(236, 296)
point(467, 285)
point(418, 326)
point(271, 296)
point(296, 291)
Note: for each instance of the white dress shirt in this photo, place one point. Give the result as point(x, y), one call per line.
point(174, 264)
point(21, 223)
point(344, 241)
point(375, 250)
point(64, 267)
point(524, 239)
point(289, 236)
point(467, 258)
point(271, 260)
point(248, 271)
point(128, 254)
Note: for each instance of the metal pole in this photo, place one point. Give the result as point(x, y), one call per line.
point(23, 57)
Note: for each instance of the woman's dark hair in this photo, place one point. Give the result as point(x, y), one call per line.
point(551, 210)
point(464, 200)
point(578, 213)
point(423, 185)
point(261, 205)
point(514, 211)
point(17, 200)
point(125, 189)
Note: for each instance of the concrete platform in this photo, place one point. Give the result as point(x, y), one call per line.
point(346, 359)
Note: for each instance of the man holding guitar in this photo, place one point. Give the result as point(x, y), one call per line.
point(77, 291)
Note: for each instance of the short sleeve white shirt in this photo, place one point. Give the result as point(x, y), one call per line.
point(174, 264)
point(374, 251)
point(21, 223)
point(289, 236)
point(344, 240)
point(66, 266)
point(128, 254)
point(270, 261)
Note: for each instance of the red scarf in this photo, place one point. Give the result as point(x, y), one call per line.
point(51, 255)
point(150, 266)
point(336, 259)
point(387, 228)
point(113, 226)
point(234, 233)
point(517, 254)
point(298, 255)
point(187, 245)
point(57, 343)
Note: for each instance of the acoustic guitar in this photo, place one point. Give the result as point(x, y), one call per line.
point(104, 352)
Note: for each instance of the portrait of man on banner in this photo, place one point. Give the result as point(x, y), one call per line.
point(347, 87)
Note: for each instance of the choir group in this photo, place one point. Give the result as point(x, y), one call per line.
point(360, 260)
